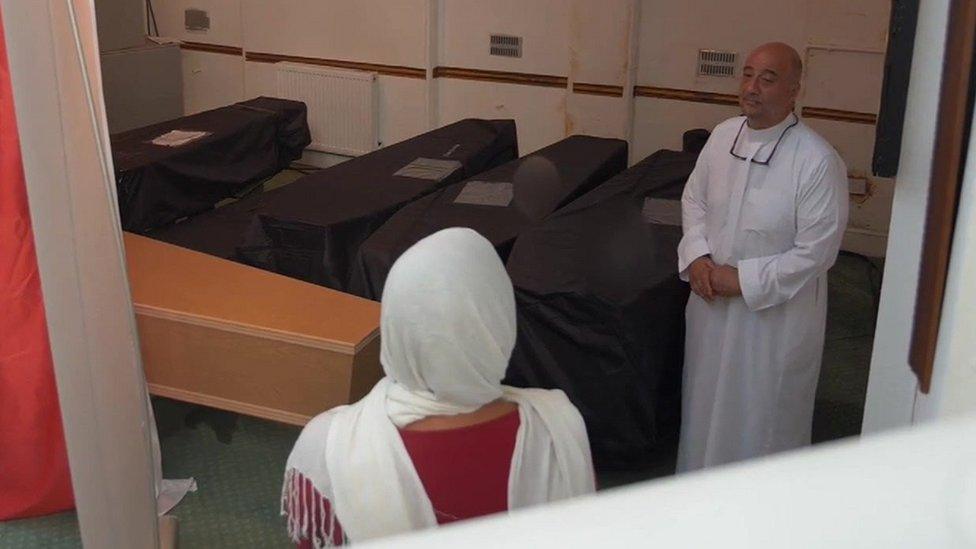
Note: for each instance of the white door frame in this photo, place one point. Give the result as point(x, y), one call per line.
point(53, 55)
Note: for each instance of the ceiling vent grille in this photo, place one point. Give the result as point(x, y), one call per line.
point(717, 63)
point(506, 46)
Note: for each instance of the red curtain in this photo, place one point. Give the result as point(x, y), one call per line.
point(34, 477)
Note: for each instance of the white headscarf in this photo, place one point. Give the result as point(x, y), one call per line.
point(448, 328)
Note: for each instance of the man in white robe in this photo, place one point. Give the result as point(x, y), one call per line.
point(763, 214)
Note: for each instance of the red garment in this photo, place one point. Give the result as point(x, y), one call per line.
point(34, 477)
point(464, 471)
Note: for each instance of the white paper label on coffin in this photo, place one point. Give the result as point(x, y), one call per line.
point(429, 168)
point(659, 211)
point(177, 138)
point(485, 193)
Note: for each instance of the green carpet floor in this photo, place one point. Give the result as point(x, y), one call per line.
point(238, 461)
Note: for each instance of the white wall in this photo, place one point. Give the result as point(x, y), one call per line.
point(583, 41)
point(892, 386)
point(540, 113)
point(580, 40)
point(543, 25)
point(211, 80)
point(843, 45)
point(673, 32)
point(370, 31)
point(226, 21)
point(390, 32)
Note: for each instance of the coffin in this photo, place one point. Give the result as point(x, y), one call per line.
point(244, 144)
point(601, 308)
point(537, 184)
point(225, 335)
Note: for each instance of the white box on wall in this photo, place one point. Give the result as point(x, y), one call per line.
point(142, 86)
point(121, 24)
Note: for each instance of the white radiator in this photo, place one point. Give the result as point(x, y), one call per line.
point(342, 106)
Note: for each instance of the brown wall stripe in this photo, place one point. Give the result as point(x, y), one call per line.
point(841, 116)
point(211, 48)
point(598, 89)
point(388, 70)
point(503, 77)
point(529, 79)
point(686, 95)
point(728, 99)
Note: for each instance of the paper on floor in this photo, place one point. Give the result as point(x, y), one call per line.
point(171, 492)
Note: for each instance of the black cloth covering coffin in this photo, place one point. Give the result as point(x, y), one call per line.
point(313, 228)
point(541, 183)
point(349, 199)
point(601, 309)
point(248, 142)
point(217, 232)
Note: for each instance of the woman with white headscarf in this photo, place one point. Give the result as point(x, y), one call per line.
point(419, 449)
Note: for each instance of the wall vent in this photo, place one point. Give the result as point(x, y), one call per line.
point(196, 20)
point(506, 46)
point(716, 63)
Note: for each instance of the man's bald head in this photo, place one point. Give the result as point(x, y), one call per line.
point(770, 84)
point(785, 54)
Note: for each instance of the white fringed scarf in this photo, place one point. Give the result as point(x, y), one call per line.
point(448, 328)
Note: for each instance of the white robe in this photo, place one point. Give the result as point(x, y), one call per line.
point(752, 362)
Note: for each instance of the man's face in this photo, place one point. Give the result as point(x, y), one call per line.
point(768, 88)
